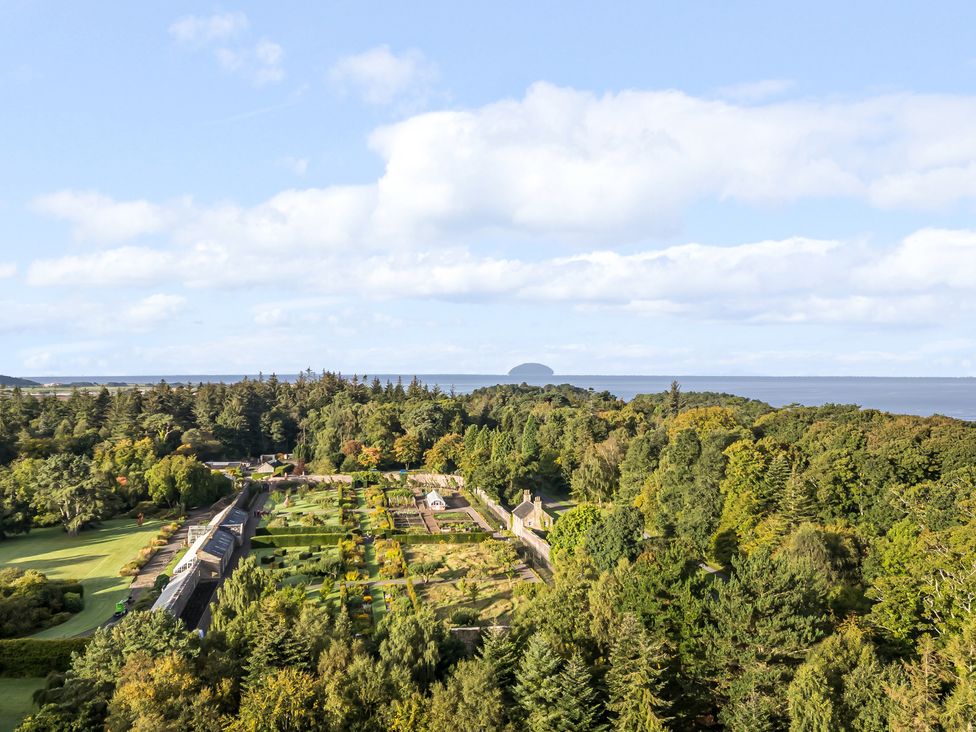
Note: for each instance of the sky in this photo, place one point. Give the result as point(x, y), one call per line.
point(617, 188)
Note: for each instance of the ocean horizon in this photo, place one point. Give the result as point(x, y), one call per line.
point(920, 395)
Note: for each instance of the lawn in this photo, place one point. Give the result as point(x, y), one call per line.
point(321, 503)
point(16, 700)
point(458, 560)
point(493, 599)
point(94, 557)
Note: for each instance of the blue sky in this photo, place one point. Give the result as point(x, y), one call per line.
point(697, 188)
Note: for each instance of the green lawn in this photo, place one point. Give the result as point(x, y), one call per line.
point(94, 557)
point(16, 700)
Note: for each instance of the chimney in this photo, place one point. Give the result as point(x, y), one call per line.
point(526, 496)
point(538, 504)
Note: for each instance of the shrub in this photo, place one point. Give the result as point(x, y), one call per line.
point(24, 657)
point(72, 602)
point(465, 618)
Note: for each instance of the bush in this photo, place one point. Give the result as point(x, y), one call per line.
point(25, 657)
point(160, 583)
point(304, 555)
point(465, 618)
point(72, 602)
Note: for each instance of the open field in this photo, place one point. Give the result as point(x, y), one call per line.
point(16, 700)
point(94, 558)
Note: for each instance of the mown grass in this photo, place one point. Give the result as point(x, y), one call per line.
point(93, 557)
point(16, 700)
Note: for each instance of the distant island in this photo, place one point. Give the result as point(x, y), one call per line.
point(8, 381)
point(531, 369)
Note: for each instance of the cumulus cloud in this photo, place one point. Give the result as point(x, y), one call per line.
point(755, 91)
point(588, 170)
point(381, 77)
point(261, 62)
point(154, 309)
point(584, 175)
point(96, 217)
point(208, 29)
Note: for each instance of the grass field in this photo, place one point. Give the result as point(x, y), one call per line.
point(94, 557)
point(16, 700)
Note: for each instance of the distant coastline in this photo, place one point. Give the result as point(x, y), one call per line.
point(952, 396)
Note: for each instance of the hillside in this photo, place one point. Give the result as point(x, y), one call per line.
point(8, 381)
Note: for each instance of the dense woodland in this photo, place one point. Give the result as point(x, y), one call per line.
point(729, 565)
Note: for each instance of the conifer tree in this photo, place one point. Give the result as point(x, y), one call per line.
point(577, 708)
point(797, 504)
point(537, 687)
point(633, 679)
point(499, 652)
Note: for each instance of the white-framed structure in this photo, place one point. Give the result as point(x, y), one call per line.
point(435, 501)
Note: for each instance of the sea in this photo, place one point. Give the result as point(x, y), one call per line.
point(952, 397)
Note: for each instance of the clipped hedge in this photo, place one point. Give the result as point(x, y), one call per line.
point(33, 657)
point(266, 542)
point(473, 537)
point(286, 530)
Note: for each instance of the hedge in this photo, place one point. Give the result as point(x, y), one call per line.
point(473, 537)
point(266, 542)
point(284, 530)
point(33, 657)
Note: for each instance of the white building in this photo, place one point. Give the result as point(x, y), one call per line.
point(435, 501)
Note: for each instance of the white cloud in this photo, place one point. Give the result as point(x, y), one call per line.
point(381, 77)
point(96, 217)
point(569, 166)
point(123, 266)
point(154, 309)
point(259, 62)
point(755, 91)
point(7, 269)
point(217, 27)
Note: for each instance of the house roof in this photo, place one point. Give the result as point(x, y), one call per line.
point(524, 509)
point(235, 516)
point(434, 496)
point(221, 544)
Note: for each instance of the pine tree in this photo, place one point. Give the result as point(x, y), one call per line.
point(777, 476)
point(577, 707)
point(674, 398)
point(530, 439)
point(634, 679)
point(499, 652)
point(537, 685)
point(797, 503)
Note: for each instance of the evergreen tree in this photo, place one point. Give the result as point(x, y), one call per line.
point(797, 503)
point(577, 708)
point(499, 652)
point(537, 687)
point(530, 439)
point(633, 679)
point(674, 398)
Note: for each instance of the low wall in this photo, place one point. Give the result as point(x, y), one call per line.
point(537, 545)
